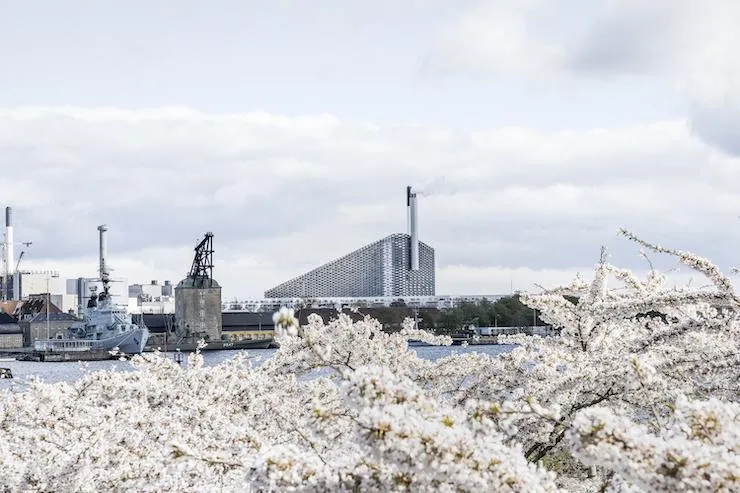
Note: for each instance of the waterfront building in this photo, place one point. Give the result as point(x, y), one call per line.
point(378, 269)
point(397, 265)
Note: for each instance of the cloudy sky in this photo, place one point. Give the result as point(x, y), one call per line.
point(290, 129)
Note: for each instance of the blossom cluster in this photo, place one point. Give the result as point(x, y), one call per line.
point(639, 392)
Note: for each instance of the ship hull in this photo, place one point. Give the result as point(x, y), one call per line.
point(188, 346)
point(129, 342)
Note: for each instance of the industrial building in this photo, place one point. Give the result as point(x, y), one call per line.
point(19, 284)
point(154, 298)
point(150, 292)
point(395, 266)
point(10, 281)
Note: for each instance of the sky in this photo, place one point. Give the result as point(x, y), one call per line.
point(533, 131)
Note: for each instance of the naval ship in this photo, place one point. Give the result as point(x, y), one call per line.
point(104, 326)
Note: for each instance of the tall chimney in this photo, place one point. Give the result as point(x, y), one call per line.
point(9, 265)
point(413, 229)
point(103, 251)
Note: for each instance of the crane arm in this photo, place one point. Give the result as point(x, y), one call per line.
point(17, 264)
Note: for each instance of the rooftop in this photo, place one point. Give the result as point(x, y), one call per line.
point(54, 317)
point(198, 282)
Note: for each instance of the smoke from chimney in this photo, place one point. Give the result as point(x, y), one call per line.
point(413, 228)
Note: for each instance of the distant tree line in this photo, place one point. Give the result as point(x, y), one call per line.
point(504, 312)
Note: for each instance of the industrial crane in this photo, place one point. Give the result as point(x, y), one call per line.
point(18, 264)
point(5, 292)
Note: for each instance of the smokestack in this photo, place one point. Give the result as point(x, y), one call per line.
point(9, 260)
point(103, 251)
point(9, 264)
point(413, 228)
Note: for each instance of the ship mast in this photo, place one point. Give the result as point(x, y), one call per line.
point(103, 253)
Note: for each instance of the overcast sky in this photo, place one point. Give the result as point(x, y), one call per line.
point(291, 128)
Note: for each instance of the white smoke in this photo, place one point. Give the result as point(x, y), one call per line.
point(439, 185)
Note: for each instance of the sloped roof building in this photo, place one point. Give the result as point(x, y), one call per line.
point(397, 265)
point(382, 268)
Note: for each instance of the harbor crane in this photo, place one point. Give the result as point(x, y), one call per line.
point(18, 264)
point(5, 291)
point(201, 272)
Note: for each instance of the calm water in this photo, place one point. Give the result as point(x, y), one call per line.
point(56, 372)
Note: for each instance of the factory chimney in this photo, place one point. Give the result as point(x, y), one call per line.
point(103, 251)
point(413, 228)
point(9, 266)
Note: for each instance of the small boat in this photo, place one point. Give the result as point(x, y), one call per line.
point(6, 373)
point(417, 343)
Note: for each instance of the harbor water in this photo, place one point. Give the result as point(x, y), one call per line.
point(70, 371)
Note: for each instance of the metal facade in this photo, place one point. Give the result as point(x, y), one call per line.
point(377, 269)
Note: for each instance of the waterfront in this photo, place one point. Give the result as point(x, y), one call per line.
point(70, 371)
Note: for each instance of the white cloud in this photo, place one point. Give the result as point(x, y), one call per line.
point(691, 40)
point(498, 37)
point(687, 48)
point(500, 280)
point(285, 194)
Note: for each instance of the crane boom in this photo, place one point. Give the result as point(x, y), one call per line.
point(17, 264)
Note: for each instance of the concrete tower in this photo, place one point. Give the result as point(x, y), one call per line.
point(198, 297)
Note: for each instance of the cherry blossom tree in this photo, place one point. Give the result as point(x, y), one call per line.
point(639, 392)
point(634, 350)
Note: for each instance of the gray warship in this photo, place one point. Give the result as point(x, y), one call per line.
point(104, 326)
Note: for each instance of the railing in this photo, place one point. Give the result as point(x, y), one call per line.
point(65, 345)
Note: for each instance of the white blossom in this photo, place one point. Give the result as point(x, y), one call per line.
point(638, 393)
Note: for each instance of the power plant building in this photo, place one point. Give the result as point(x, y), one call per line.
point(397, 265)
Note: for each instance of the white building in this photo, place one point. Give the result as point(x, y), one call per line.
point(150, 291)
point(163, 304)
point(42, 282)
point(151, 298)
